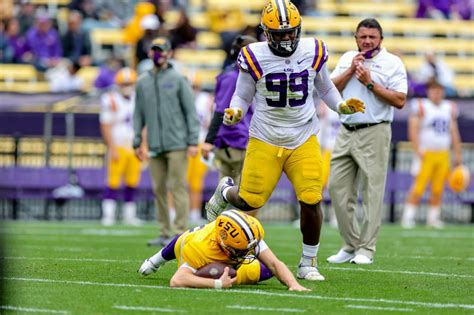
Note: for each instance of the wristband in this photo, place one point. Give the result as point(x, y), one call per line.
point(218, 284)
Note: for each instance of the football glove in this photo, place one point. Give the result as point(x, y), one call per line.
point(232, 116)
point(351, 106)
point(147, 268)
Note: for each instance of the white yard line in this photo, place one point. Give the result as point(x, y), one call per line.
point(82, 232)
point(147, 309)
point(436, 274)
point(423, 273)
point(437, 234)
point(266, 309)
point(73, 259)
point(250, 292)
point(428, 257)
point(377, 308)
point(31, 310)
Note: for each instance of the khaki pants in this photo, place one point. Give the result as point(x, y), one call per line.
point(230, 163)
point(168, 171)
point(360, 159)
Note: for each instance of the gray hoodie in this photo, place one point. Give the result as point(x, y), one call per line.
point(165, 105)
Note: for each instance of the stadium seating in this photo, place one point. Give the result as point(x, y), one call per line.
point(88, 75)
point(18, 72)
point(111, 37)
point(394, 9)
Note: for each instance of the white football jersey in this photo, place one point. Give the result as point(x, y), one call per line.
point(117, 111)
point(435, 123)
point(203, 102)
point(284, 112)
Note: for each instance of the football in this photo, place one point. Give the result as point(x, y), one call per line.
point(215, 271)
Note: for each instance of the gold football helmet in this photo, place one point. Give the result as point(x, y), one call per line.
point(459, 179)
point(281, 23)
point(126, 76)
point(238, 233)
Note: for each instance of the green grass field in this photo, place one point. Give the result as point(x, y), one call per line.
point(83, 268)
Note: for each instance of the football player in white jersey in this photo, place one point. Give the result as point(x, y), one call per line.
point(116, 125)
point(432, 129)
point(282, 76)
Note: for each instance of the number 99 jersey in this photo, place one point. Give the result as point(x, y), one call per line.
point(284, 107)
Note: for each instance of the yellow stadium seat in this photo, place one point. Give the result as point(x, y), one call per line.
point(208, 40)
point(209, 58)
point(88, 75)
point(367, 8)
point(22, 87)
point(464, 82)
point(18, 72)
point(107, 36)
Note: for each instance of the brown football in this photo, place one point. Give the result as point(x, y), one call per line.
point(215, 271)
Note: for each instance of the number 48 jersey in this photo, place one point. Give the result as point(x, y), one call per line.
point(284, 112)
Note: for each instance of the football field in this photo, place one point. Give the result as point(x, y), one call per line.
point(83, 268)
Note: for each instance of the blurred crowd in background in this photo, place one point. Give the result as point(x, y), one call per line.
point(58, 42)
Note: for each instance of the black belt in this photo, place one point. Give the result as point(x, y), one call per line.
point(362, 126)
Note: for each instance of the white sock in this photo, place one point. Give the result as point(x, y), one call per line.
point(157, 259)
point(409, 213)
point(310, 250)
point(308, 258)
point(195, 214)
point(172, 215)
point(224, 192)
point(129, 211)
point(434, 214)
point(109, 207)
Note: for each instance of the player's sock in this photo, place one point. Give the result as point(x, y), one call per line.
point(434, 215)
point(158, 259)
point(409, 213)
point(194, 215)
point(224, 193)
point(265, 273)
point(167, 252)
point(310, 252)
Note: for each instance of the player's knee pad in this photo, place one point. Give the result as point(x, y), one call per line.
point(311, 196)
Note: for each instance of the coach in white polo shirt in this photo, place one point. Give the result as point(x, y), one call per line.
point(360, 157)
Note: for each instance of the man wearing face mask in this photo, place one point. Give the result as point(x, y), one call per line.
point(165, 113)
point(122, 164)
point(361, 152)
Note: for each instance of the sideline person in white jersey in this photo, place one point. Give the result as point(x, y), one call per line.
point(330, 125)
point(362, 146)
point(432, 129)
point(116, 125)
point(283, 76)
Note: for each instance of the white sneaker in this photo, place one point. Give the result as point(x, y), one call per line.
point(408, 224)
point(309, 273)
point(341, 257)
point(147, 268)
point(360, 259)
point(133, 222)
point(107, 221)
point(217, 204)
point(438, 224)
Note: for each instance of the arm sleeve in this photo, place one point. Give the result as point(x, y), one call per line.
point(326, 90)
point(261, 247)
point(244, 92)
point(105, 116)
point(214, 127)
point(138, 118)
